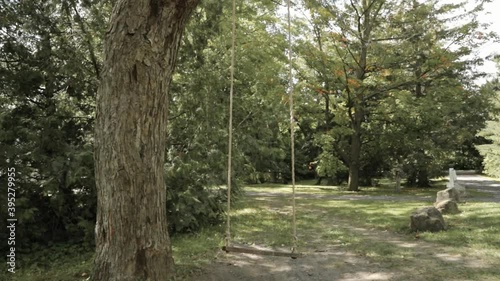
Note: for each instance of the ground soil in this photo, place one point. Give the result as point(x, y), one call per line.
point(332, 261)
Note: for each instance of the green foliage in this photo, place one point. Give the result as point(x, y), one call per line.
point(197, 145)
point(418, 106)
point(191, 202)
point(49, 72)
point(200, 96)
point(63, 262)
point(491, 150)
point(329, 164)
point(410, 98)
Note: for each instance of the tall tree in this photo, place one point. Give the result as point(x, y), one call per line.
point(368, 54)
point(491, 150)
point(131, 127)
point(354, 76)
point(445, 105)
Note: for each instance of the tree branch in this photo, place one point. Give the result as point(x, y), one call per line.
point(87, 39)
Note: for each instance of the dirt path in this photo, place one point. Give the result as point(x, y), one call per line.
point(411, 259)
point(303, 195)
point(476, 182)
point(483, 184)
point(333, 262)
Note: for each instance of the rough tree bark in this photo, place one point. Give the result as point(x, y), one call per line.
point(355, 155)
point(132, 241)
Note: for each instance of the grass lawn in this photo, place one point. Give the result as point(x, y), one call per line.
point(321, 220)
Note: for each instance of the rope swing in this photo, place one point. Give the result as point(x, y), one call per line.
point(227, 243)
point(292, 125)
point(230, 133)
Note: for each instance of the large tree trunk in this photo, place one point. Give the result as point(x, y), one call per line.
point(132, 241)
point(423, 178)
point(355, 159)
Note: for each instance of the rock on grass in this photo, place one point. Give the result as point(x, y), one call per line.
point(427, 219)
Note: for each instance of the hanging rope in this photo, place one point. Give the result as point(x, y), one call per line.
point(230, 132)
point(230, 140)
point(292, 126)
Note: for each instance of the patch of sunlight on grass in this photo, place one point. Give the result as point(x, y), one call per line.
point(266, 221)
point(262, 221)
point(193, 251)
point(245, 211)
point(476, 228)
point(384, 189)
point(287, 189)
point(336, 234)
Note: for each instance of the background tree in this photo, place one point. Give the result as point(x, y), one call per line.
point(393, 53)
point(48, 75)
point(491, 149)
point(446, 103)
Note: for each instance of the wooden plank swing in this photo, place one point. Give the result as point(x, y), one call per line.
point(242, 249)
point(247, 250)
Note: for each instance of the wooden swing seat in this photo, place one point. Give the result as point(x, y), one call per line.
point(262, 252)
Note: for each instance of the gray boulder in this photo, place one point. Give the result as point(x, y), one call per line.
point(448, 194)
point(447, 207)
point(427, 219)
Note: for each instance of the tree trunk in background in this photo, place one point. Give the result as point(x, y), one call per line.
point(355, 155)
point(132, 241)
point(423, 178)
point(357, 112)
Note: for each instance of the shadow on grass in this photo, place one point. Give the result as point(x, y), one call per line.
point(339, 229)
point(342, 239)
